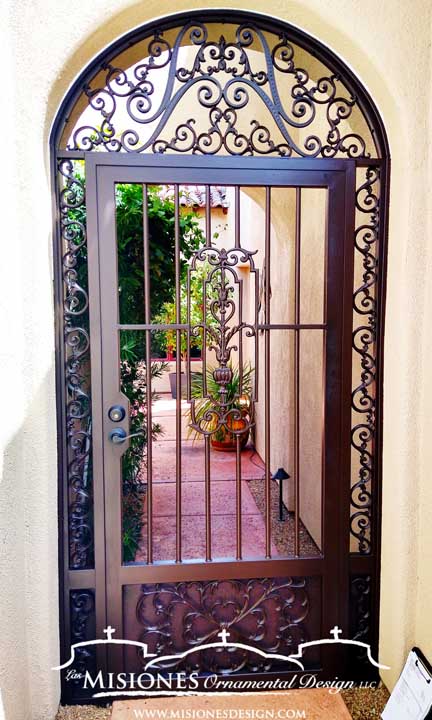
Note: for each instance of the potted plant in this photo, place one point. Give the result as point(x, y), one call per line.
point(238, 397)
point(167, 339)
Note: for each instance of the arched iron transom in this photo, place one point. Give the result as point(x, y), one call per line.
point(248, 89)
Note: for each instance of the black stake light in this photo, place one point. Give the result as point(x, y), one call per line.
point(281, 475)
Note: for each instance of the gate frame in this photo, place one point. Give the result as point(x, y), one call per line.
point(338, 177)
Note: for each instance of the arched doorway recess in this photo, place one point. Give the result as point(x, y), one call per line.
point(192, 116)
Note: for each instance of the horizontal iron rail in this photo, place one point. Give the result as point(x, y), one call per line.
point(292, 326)
point(260, 326)
point(206, 161)
point(150, 326)
point(190, 570)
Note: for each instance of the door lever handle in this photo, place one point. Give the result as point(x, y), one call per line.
point(119, 436)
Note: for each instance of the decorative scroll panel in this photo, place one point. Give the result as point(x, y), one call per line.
point(77, 363)
point(365, 315)
point(361, 623)
point(221, 89)
point(223, 329)
point(83, 627)
point(274, 615)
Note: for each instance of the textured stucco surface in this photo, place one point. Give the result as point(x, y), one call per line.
point(44, 44)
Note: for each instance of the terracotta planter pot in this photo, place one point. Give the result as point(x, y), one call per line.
point(226, 441)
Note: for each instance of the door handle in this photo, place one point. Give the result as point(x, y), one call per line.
point(119, 436)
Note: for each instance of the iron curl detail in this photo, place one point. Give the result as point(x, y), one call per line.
point(224, 75)
point(363, 400)
point(180, 616)
point(77, 359)
point(360, 615)
point(220, 285)
point(82, 621)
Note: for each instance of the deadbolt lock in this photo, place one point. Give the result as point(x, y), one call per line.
point(116, 413)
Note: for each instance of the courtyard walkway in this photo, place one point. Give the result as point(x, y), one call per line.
point(223, 496)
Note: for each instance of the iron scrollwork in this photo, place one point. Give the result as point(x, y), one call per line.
point(224, 77)
point(270, 614)
point(360, 615)
point(77, 364)
point(219, 309)
point(82, 610)
point(364, 346)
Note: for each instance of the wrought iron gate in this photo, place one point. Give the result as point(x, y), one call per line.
point(213, 555)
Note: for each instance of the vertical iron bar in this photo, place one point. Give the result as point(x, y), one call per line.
point(204, 334)
point(188, 334)
point(207, 216)
point(237, 217)
point(146, 239)
point(297, 376)
point(238, 445)
point(267, 376)
point(204, 342)
point(207, 498)
point(240, 341)
point(238, 500)
point(256, 335)
point(178, 372)
point(240, 320)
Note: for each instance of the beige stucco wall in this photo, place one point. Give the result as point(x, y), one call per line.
point(44, 45)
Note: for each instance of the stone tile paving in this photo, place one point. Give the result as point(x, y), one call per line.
point(223, 497)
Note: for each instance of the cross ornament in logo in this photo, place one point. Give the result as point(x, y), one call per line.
point(157, 662)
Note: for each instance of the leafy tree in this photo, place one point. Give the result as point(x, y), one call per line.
point(129, 227)
point(130, 255)
point(161, 224)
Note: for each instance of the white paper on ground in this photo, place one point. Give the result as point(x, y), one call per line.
point(411, 698)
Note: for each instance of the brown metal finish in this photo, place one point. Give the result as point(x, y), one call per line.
point(365, 318)
point(89, 502)
point(267, 406)
point(335, 181)
point(208, 216)
point(188, 339)
point(237, 217)
point(147, 281)
point(238, 501)
point(177, 621)
point(107, 174)
point(297, 305)
point(178, 373)
point(76, 356)
point(204, 335)
point(207, 498)
point(97, 583)
point(330, 134)
point(237, 245)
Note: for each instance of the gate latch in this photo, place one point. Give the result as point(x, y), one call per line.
point(119, 436)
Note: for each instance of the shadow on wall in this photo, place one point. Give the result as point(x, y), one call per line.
point(29, 624)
